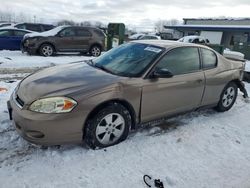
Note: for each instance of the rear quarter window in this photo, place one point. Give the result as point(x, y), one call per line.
point(209, 59)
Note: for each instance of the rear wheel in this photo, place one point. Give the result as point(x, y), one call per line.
point(95, 51)
point(46, 50)
point(228, 97)
point(108, 127)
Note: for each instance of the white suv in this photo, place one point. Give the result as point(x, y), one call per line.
point(194, 39)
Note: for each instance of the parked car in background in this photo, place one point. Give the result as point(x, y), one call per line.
point(135, 36)
point(10, 38)
point(194, 39)
point(5, 24)
point(34, 27)
point(166, 36)
point(65, 39)
point(150, 37)
point(101, 100)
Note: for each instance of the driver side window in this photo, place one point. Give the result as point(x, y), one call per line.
point(180, 61)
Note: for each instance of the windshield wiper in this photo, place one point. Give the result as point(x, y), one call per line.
point(103, 68)
point(89, 62)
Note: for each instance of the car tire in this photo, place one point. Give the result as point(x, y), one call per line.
point(46, 50)
point(227, 98)
point(108, 127)
point(95, 51)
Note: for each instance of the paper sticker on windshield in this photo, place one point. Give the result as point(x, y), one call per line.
point(153, 49)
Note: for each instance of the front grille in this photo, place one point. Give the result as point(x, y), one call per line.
point(19, 101)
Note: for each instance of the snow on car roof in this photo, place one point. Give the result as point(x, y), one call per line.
point(51, 32)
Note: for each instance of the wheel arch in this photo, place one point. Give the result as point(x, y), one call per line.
point(237, 82)
point(95, 44)
point(104, 104)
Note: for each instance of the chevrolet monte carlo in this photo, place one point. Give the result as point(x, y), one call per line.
point(99, 101)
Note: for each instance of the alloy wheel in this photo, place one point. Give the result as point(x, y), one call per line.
point(228, 97)
point(47, 50)
point(95, 51)
point(110, 129)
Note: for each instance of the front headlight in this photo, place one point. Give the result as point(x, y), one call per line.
point(53, 105)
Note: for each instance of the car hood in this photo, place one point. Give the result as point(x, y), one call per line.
point(64, 80)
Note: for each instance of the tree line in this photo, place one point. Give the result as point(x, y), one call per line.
point(12, 17)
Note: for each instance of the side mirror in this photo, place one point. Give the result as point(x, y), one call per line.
point(162, 73)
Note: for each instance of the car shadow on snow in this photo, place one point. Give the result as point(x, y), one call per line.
point(165, 125)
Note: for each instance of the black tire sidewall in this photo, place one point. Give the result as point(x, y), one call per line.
point(220, 106)
point(91, 125)
point(41, 50)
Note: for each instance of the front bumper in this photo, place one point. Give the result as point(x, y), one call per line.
point(47, 129)
point(31, 48)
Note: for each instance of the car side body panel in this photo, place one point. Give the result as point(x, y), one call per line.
point(167, 96)
point(217, 78)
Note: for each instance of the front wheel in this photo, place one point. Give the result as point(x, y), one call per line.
point(108, 127)
point(46, 50)
point(95, 51)
point(228, 97)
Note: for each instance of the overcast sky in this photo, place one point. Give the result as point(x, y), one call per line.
point(131, 12)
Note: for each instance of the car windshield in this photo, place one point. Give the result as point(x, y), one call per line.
point(129, 60)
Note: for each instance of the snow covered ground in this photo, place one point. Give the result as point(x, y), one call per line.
point(17, 59)
point(200, 149)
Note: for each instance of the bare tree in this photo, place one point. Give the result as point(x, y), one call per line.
point(66, 22)
point(86, 23)
point(9, 16)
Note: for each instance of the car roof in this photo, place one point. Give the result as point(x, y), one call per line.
point(151, 35)
point(33, 24)
point(168, 44)
point(76, 26)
